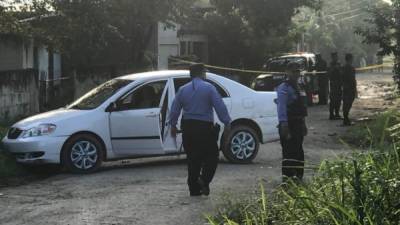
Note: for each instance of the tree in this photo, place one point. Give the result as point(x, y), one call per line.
point(332, 29)
point(244, 33)
point(94, 32)
point(384, 29)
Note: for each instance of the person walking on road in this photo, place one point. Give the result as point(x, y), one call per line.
point(323, 81)
point(349, 88)
point(292, 111)
point(197, 99)
point(335, 85)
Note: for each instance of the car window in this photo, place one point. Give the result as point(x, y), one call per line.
point(220, 90)
point(97, 96)
point(299, 60)
point(179, 82)
point(145, 97)
point(276, 65)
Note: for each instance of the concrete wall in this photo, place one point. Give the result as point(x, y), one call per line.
point(11, 55)
point(22, 94)
point(27, 55)
point(19, 94)
point(83, 83)
point(168, 44)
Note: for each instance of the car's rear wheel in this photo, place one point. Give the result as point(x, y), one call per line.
point(82, 153)
point(242, 145)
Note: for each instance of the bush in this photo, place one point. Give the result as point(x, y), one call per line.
point(362, 189)
point(375, 133)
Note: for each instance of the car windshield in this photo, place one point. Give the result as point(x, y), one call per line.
point(279, 64)
point(100, 94)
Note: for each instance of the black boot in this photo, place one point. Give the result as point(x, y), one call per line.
point(205, 188)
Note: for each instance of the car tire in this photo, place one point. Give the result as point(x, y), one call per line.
point(82, 153)
point(242, 145)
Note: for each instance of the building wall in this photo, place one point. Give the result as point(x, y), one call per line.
point(11, 55)
point(16, 55)
point(57, 66)
point(19, 95)
point(27, 55)
point(43, 63)
point(194, 44)
point(168, 44)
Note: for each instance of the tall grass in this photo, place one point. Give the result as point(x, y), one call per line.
point(374, 134)
point(363, 189)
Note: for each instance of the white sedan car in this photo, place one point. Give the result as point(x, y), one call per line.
point(127, 118)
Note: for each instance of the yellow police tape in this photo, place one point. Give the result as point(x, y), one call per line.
point(381, 66)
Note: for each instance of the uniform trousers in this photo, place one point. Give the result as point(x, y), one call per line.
point(323, 89)
point(335, 99)
point(348, 99)
point(292, 149)
point(200, 144)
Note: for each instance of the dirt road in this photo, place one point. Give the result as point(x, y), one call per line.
point(154, 191)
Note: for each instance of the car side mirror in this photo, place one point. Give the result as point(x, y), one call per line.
point(111, 107)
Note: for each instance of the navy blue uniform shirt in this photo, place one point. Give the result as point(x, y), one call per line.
point(286, 96)
point(197, 99)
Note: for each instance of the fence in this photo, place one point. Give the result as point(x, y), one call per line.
point(19, 94)
point(23, 94)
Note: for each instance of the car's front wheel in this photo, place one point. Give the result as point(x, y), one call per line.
point(82, 154)
point(242, 144)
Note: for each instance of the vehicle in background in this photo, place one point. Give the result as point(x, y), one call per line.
point(276, 73)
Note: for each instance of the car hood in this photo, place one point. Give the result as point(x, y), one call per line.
point(52, 117)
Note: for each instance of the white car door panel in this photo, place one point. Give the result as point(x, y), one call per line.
point(136, 132)
point(135, 127)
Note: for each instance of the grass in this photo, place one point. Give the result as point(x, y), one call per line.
point(373, 134)
point(362, 189)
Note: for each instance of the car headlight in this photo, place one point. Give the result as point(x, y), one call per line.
point(41, 130)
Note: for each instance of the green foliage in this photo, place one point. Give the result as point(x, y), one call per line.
point(92, 32)
point(375, 133)
point(384, 30)
point(332, 29)
point(244, 33)
point(361, 189)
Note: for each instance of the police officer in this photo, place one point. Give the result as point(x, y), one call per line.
point(349, 88)
point(292, 128)
point(321, 68)
point(335, 85)
point(197, 99)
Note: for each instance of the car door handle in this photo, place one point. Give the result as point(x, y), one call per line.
point(151, 115)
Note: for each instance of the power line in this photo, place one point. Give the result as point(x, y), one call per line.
point(351, 17)
point(340, 12)
point(346, 12)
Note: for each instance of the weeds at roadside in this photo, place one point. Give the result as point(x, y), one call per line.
point(375, 134)
point(362, 189)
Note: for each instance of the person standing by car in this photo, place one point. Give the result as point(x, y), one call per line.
point(323, 81)
point(197, 99)
point(292, 111)
point(349, 88)
point(335, 85)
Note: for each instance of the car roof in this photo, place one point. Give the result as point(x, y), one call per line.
point(298, 55)
point(155, 75)
point(262, 76)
